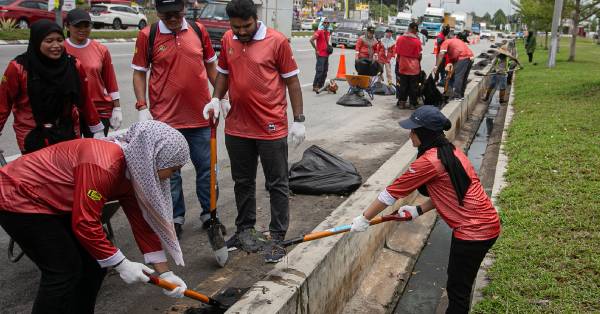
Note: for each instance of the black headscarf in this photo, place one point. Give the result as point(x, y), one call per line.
point(53, 86)
point(445, 152)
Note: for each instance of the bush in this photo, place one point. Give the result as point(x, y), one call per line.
point(8, 25)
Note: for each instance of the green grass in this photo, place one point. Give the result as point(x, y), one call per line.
point(548, 256)
point(302, 33)
point(24, 34)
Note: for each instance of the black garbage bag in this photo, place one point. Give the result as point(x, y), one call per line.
point(380, 88)
point(367, 67)
point(484, 55)
point(320, 172)
point(354, 100)
point(480, 65)
point(431, 94)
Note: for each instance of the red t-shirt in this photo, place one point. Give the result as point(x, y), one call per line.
point(14, 98)
point(102, 81)
point(77, 177)
point(408, 51)
point(476, 219)
point(322, 38)
point(257, 91)
point(456, 50)
point(362, 48)
point(178, 86)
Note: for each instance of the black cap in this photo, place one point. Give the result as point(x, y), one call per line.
point(428, 117)
point(77, 16)
point(163, 6)
point(371, 29)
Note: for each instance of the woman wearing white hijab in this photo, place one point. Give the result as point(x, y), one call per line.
point(51, 204)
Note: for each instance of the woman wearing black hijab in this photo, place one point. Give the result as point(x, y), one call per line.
point(446, 175)
point(46, 89)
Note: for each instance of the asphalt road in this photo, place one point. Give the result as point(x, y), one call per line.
point(366, 136)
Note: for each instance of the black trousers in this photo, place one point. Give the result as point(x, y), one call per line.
point(530, 55)
point(321, 71)
point(71, 278)
point(243, 155)
point(407, 88)
point(85, 129)
point(463, 265)
point(460, 76)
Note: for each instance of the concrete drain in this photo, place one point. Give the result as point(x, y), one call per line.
point(227, 297)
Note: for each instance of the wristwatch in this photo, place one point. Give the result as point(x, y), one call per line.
point(299, 118)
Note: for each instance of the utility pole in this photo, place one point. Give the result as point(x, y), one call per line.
point(558, 6)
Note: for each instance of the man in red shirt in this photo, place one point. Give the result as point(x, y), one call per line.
point(182, 64)
point(256, 65)
point(439, 40)
point(321, 36)
point(460, 59)
point(408, 66)
point(445, 175)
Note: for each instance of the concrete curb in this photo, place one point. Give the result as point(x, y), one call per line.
point(322, 276)
point(100, 40)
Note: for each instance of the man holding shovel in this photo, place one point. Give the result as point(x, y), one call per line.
point(256, 65)
point(499, 73)
point(445, 174)
point(460, 61)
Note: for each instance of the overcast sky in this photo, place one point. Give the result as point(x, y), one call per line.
point(479, 6)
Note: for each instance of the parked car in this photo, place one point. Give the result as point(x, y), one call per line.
point(380, 31)
point(347, 33)
point(214, 17)
point(117, 15)
point(485, 34)
point(25, 12)
point(307, 25)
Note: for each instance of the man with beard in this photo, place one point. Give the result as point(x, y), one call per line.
point(256, 65)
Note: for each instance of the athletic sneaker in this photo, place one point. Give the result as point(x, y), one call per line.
point(233, 243)
point(275, 251)
point(251, 241)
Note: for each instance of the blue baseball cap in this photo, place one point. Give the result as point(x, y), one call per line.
point(428, 117)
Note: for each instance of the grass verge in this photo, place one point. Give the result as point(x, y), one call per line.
point(301, 33)
point(548, 256)
point(97, 34)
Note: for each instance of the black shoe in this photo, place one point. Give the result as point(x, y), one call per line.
point(251, 241)
point(275, 252)
point(233, 243)
point(178, 230)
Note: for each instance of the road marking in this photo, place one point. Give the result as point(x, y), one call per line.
point(122, 55)
point(304, 50)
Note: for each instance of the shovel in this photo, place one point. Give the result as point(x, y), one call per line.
point(341, 229)
point(188, 293)
point(215, 230)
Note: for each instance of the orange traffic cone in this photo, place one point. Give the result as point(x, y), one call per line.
point(341, 73)
point(435, 48)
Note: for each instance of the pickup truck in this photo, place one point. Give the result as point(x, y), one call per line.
point(347, 33)
point(214, 17)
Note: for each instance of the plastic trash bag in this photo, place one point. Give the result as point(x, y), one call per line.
point(354, 100)
point(380, 88)
point(367, 67)
point(320, 172)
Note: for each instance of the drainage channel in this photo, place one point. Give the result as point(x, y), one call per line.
point(425, 290)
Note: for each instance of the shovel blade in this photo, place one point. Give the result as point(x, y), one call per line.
point(217, 242)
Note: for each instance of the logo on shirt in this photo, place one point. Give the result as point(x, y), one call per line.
point(230, 51)
point(162, 48)
point(271, 127)
point(411, 170)
point(4, 78)
point(94, 195)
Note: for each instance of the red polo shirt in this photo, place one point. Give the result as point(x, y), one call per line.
point(178, 86)
point(102, 81)
point(322, 38)
point(77, 177)
point(408, 51)
point(456, 50)
point(256, 71)
point(476, 219)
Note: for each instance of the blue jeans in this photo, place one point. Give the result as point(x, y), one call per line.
point(199, 141)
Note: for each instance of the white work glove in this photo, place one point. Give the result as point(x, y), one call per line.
point(407, 210)
point(359, 224)
point(144, 115)
point(213, 105)
point(225, 107)
point(132, 272)
point(298, 133)
point(174, 279)
point(116, 118)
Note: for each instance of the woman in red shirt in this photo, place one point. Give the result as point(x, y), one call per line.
point(445, 174)
point(51, 204)
point(46, 89)
point(97, 63)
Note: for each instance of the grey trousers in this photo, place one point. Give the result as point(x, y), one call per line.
point(459, 79)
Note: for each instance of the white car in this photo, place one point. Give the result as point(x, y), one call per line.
point(307, 25)
point(485, 34)
point(117, 15)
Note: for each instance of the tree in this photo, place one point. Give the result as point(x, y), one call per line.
point(376, 11)
point(536, 14)
point(499, 18)
point(487, 18)
point(581, 10)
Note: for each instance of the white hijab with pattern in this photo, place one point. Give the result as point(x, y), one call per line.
point(150, 146)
